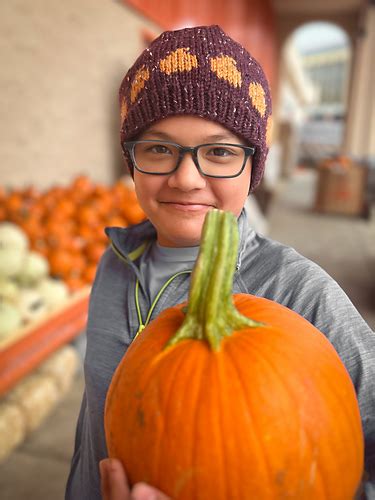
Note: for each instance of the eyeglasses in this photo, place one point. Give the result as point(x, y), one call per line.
point(212, 160)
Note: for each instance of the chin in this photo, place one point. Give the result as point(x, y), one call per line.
point(184, 232)
point(180, 238)
point(185, 240)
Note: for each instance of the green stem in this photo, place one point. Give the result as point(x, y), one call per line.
point(211, 314)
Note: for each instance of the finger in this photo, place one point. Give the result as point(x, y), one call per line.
point(143, 491)
point(104, 485)
point(115, 484)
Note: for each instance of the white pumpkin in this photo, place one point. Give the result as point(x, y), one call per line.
point(8, 290)
point(53, 292)
point(12, 427)
point(34, 268)
point(12, 236)
point(10, 319)
point(30, 304)
point(11, 261)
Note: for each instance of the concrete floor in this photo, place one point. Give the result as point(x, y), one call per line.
point(344, 246)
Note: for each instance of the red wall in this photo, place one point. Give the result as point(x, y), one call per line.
point(250, 22)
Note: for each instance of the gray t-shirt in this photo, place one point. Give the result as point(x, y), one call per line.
point(157, 264)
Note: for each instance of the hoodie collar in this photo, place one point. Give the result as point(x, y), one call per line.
point(129, 241)
point(132, 241)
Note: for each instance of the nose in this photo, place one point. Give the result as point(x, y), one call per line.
point(187, 177)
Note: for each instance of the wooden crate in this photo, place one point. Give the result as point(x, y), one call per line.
point(342, 190)
point(31, 345)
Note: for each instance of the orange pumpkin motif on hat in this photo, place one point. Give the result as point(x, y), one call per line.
point(139, 81)
point(225, 67)
point(258, 97)
point(178, 60)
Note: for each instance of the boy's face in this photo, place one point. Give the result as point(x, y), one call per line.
point(177, 203)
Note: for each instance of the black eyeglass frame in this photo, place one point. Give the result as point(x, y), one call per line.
point(129, 146)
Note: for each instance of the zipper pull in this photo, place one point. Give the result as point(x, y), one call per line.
point(141, 327)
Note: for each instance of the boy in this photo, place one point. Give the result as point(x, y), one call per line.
point(195, 127)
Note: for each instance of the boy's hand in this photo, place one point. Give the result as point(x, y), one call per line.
point(114, 484)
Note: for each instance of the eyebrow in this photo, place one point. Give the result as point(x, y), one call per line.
point(210, 138)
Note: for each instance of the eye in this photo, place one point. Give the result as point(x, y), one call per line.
point(221, 151)
point(162, 149)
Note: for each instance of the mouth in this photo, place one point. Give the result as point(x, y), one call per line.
point(187, 206)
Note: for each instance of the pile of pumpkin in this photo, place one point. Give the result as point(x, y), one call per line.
point(66, 224)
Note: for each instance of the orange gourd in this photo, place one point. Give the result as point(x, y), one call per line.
point(88, 216)
point(131, 209)
point(210, 404)
point(14, 203)
point(88, 273)
point(3, 213)
point(82, 185)
point(60, 263)
point(94, 251)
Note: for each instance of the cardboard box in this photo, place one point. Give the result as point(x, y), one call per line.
point(341, 188)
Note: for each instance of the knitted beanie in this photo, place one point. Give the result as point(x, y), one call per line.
point(199, 71)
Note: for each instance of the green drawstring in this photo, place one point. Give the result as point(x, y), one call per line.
point(140, 321)
point(142, 325)
point(133, 256)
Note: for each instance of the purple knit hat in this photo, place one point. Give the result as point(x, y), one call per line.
point(199, 71)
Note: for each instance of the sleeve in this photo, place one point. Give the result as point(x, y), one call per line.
point(323, 302)
point(77, 451)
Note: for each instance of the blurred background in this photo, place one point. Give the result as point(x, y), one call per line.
point(62, 179)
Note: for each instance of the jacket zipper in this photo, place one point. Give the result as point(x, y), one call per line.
point(128, 260)
point(142, 325)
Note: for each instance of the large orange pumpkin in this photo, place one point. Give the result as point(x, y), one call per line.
point(209, 404)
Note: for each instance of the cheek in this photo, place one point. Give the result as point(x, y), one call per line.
point(139, 190)
point(146, 188)
point(232, 193)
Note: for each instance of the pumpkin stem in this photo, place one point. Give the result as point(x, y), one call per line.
point(211, 314)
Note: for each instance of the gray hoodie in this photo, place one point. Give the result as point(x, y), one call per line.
point(264, 268)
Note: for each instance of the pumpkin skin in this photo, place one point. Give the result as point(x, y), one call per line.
point(270, 414)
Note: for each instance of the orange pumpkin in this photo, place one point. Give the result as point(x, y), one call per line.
point(94, 251)
point(14, 202)
point(31, 193)
point(33, 227)
point(61, 263)
point(64, 209)
point(85, 232)
point(131, 209)
point(116, 220)
point(102, 204)
point(210, 404)
point(88, 273)
point(74, 283)
point(3, 213)
point(3, 194)
point(119, 192)
point(87, 215)
point(82, 185)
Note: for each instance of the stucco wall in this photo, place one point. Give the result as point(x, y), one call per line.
point(62, 64)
